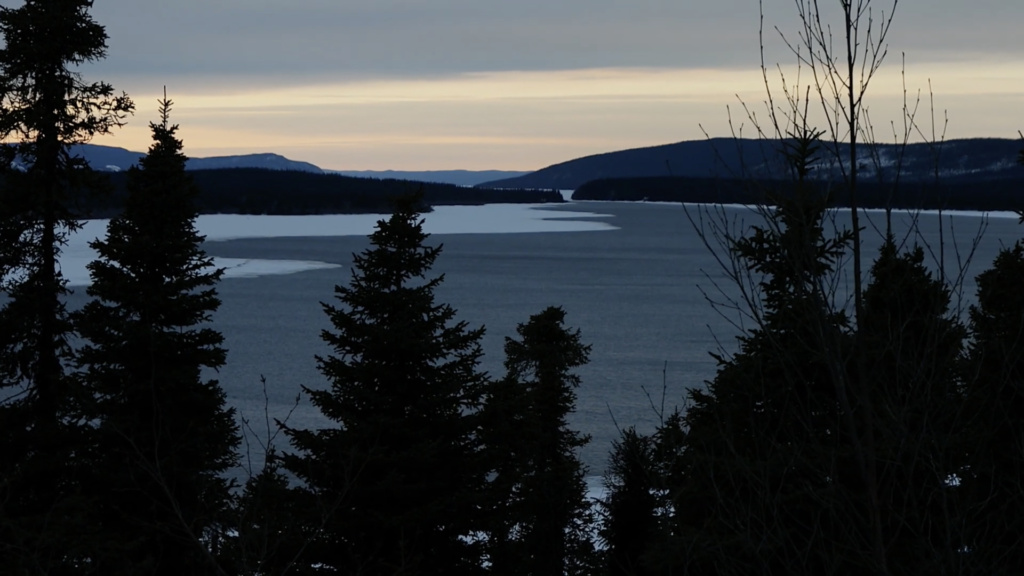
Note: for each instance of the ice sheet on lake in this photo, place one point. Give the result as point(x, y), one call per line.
point(248, 268)
point(486, 219)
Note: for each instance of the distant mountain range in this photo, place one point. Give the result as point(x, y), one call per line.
point(113, 159)
point(966, 160)
point(272, 184)
point(977, 158)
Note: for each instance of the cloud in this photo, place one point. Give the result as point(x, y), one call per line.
point(374, 38)
point(394, 38)
point(496, 84)
point(528, 119)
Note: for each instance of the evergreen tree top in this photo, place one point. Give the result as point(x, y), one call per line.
point(84, 40)
point(400, 253)
point(153, 244)
point(165, 153)
point(548, 349)
point(43, 93)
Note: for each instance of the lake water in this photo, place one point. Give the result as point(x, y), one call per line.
point(635, 293)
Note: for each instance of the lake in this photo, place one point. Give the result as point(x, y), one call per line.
point(636, 292)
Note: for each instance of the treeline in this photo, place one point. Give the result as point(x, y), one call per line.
point(870, 434)
point(264, 191)
point(117, 450)
point(116, 446)
point(882, 439)
point(948, 193)
point(429, 466)
point(876, 432)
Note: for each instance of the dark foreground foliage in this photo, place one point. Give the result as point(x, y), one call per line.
point(396, 475)
point(164, 436)
point(45, 108)
point(877, 433)
point(880, 438)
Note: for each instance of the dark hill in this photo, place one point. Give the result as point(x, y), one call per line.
point(265, 160)
point(713, 157)
point(114, 159)
point(951, 193)
point(736, 158)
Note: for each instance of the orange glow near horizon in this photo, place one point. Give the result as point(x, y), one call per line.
point(528, 120)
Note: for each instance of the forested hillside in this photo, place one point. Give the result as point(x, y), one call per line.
point(264, 191)
point(1004, 193)
point(965, 160)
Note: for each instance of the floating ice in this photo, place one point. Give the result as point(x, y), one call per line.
point(485, 219)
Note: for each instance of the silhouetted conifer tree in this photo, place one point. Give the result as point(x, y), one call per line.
point(631, 508)
point(394, 480)
point(45, 108)
point(818, 439)
point(993, 481)
point(164, 435)
point(274, 524)
point(542, 523)
point(910, 349)
point(754, 467)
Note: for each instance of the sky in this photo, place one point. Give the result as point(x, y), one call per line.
point(519, 85)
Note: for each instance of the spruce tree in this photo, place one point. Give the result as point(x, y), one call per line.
point(754, 466)
point(993, 481)
point(164, 435)
point(910, 348)
point(45, 108)
point(817, 438)
point(631, 508)
point(542, 523)
point(394, 480)
point(274, 525)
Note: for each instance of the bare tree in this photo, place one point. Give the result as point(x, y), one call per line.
point(825, 444)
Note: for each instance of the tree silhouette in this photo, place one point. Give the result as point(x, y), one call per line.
point(164, 435)
point(395, 481)
point(994, 435)
point(542, 521)
point(632, 506)
point(755, 483)
point(45, 108)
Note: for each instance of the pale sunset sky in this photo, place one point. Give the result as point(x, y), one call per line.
point(517, 84)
